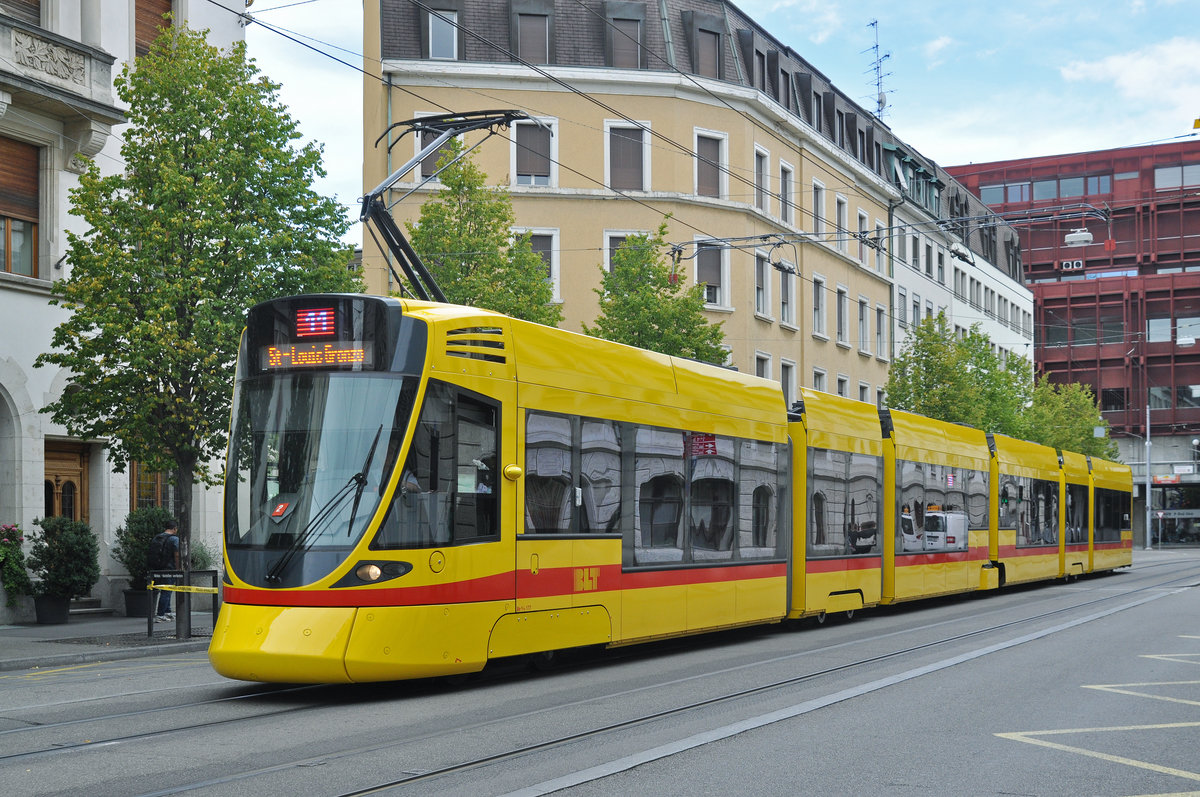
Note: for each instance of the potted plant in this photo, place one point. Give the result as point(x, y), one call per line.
point(65, 563)
point(12, 564)
point(133, 551)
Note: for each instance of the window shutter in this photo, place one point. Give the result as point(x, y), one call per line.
point(533, 150)
point(18, 180)
point(625, 151)
point(148, 18)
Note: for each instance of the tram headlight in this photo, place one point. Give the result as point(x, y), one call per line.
point(369, 572)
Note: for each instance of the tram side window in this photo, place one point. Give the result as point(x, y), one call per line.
point(760, 488)
point(446, 493)
point(910, 480)
point(978, 498)
point(1035, 511)
point(845, 516)
point(549, 477)
point(711, 501)
point(573, 474)
point(659, 476)
point(1077, 513)
point(1112, 514)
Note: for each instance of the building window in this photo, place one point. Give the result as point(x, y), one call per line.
point(881, 332)
point(787, 381)
point(613, 241)
point(533, 38)
point(443, 34)
point(941, 266)
point(840, 135)
point(533, 153)
point(842, 209)
point(762, 365)
point(818, 306)
point(762, 284)
point(843, 385)
point(708, 54)
point(710, 165)
point(819, 379)
point(843, 316)
point(785, 193)
point(762, 163)
point(864, 326)
point(625, 49)
point(902, 306)
point(816, 111)
point(916, 309)
point(628, 158)
point(880, 247)
point(148, 18)
point(19, 204)
point(710, 270)
point(863, 229)
point(818, 211)
point(149, 489)
point(916, 252)
point(428, 167)
point(864, 391)
point(545, 243)
point(929, 262)
point(787, 295)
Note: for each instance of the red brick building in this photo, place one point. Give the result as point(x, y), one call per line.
point(1118, 307)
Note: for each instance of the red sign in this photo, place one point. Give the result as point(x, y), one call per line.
point(704, 445)
point(280, 509)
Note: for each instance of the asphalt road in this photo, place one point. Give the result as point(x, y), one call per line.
point(1082, 688)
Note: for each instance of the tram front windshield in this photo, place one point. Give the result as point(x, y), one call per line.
point(309, 458)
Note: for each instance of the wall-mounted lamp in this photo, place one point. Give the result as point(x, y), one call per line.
point(1079, 237)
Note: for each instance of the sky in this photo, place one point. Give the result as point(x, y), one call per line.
point(965, 81)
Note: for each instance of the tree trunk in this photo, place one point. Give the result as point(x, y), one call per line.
point(184, 482)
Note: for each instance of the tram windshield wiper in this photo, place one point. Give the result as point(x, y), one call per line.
point(360, 479)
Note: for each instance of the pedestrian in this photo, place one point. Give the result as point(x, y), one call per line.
point(164, 555)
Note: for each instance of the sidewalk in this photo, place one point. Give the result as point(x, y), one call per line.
point(90, 638)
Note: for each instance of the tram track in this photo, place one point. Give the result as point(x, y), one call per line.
point(1172, 582)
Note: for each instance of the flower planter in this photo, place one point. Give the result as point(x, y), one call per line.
point(51, 609)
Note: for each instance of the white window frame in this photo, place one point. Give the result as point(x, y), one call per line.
point(820, 380)
point(902, 307)
point(843, 386)
point(787, 380)
point(638, 124)
point(762, 357)
point(842, 316)
point(820, 308)
point(555, 280)
point(841, 222)
point(722, 163)
point(787, 295)
point(609, 234)
point(864, 230)
point(762, 192)
point(787, 193)
point(881, 333)
point(725, 301)
point(440, 16)
point(762, 309)
point(418, 172)
point(819, 200)
point(881, 243)
point(864, 325)
point(547, 121)
point(864, 391)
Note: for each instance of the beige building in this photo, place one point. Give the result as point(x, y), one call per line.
point(780, 190)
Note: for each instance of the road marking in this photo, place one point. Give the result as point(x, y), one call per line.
point(724, 732)
point(1124, 689)
point(1028, 738)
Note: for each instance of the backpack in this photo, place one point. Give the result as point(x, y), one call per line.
point(160, 557)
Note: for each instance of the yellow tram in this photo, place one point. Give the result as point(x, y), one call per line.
point(415, 488)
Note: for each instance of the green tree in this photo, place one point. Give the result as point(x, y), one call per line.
point(213, 212)
point(644, 303)
point(464, 237)
point(1065, 416)
point(958, 379)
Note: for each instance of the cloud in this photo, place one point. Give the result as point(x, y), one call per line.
point(820, 18)
point(933, 50)
point(1160, 77)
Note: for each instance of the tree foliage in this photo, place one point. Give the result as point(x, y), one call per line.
point(644, 303)
point(463, 236)
point(1065, 416)
point(213, 212)
point(960, 379)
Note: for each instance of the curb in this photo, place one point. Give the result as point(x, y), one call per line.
point(113, 654)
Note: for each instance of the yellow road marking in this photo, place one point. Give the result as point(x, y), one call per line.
point(1028, 737)
point(1123, 689)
